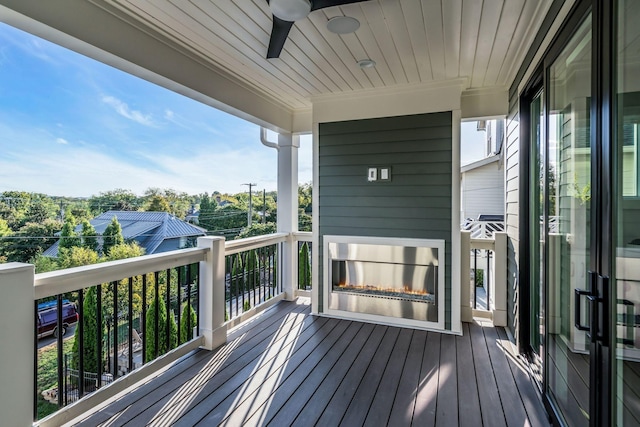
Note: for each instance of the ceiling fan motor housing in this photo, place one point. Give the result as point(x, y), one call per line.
point(290, 10)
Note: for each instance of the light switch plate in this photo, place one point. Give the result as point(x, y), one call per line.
point(373, 174)
point(385, 174)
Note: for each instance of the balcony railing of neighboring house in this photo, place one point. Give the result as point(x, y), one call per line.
point(481, 229)
point(224, 283)
point(489, 255)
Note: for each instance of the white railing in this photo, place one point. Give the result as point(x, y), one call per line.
point(71, 279)
point(482, 229)
point(22, 288)
point(497, 288)
point(303, 240)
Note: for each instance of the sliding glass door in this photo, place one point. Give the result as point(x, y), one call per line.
point(567, 210)
point(626, 234)
point(584, 217)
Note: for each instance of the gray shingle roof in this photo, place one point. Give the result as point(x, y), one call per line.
point(150, 229)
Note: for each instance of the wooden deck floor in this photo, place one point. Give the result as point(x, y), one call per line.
point(289, 368)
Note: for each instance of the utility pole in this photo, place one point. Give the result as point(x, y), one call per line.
point(249, 214)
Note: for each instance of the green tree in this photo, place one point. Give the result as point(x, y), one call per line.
point(208, 207)
point(158, 204)
point(68, 236)
point(125, 250)
point(92, 331)
point(89, 235)
point(252, 272)
point(305, 197)
point(117, 200)
point(257, 229)
point(150, 353)
point(44, 263)
point(186, 325)
point(5, 241)
point(112, 236)
point(229, 220)
point(31, 239)
point(304, 266)
point(76, 256)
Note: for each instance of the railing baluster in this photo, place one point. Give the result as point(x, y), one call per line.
point(80, 326)
point(59, 340)
point(239, 282)
point(130, 316)
point(168, 308)
point(197, 282)
point(100, 333)
point(180, 271)
point(245, 278)
point(115, 329)
point(156, 334)
point(188, 278)
point(35, 360)
point(143, 320)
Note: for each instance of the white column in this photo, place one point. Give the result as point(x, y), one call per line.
point(17, 348)
point(288, 145)
point(465, 272)
point(456, 279)
point(212, 293)
point(499, 291)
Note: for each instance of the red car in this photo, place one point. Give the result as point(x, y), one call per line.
point(48, 318)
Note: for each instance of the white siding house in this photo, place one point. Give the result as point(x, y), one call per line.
point(482, 188)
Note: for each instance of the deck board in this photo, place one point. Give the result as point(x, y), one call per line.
point(291, 368)
point(331, 396)
point(469, 414)
point(425, 408)
point(490, 403)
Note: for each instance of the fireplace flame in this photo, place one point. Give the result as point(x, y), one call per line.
point(403, 290)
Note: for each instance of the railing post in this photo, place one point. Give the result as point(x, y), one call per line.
point(499, 285)
point(212, 293)
point(17, 352)
point(288, 209)
point(466, 313)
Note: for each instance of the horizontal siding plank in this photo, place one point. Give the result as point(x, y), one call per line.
point(418, 136)
point(383, 212)
point(392, 123)
point(340, 201)
point(385, 192)
point(415, 168)
point(424, 233)
point(435, 179)
point(381, 223)
point(385, 159)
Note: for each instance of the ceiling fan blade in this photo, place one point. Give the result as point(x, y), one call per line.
point(279, 33)
point(321, 4)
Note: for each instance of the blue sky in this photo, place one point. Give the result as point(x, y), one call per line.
point(72, 126)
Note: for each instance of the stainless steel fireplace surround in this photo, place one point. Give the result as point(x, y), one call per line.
point(397, 281)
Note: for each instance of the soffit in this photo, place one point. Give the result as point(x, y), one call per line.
point(413, 43)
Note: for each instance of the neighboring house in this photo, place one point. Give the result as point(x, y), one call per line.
point(154, 231)
point(482, 188)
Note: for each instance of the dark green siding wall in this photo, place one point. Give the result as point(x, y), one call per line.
point(416, 202)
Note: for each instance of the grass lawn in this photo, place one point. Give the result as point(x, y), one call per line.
point(48, 373)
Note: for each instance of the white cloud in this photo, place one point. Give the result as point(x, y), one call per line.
point(62, 141)
point(123, 109)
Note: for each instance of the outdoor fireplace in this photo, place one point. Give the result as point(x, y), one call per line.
point(387, 280)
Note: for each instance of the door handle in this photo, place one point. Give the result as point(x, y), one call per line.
point(578, 309)
point(629, 321)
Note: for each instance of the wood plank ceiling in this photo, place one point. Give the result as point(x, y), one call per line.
point(412, 41)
